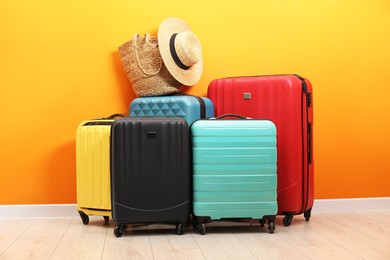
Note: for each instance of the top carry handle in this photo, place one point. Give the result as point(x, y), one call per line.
point(226, 115)
point(116, 115)
point(103, 120)
point(113, 116)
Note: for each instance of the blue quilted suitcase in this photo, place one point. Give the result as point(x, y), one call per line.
point(234, 171)
point(190, 108)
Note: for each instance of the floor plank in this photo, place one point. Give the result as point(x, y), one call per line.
point(346, 237)
point(10, 230)
point(166, 244)
point(133, 244)
point(82, 241)
point(220, 243)
point(380, 217)
point(312, 244)
point(258, 240)
point(365, 226)
point(39, 240)
point(269, 246)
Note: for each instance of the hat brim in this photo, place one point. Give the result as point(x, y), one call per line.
point(167, 28)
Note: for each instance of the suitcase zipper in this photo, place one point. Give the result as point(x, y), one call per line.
point(201, 103)
point(202, 107)
point(309, 143)
point(309, 125)
point(305, 200)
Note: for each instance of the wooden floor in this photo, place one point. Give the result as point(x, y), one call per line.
point(355, 235)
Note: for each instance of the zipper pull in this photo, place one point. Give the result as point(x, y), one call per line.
point(308, 99)
point(308, 94)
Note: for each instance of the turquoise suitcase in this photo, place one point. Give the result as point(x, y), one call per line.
point(188, 107)
point(234, 171)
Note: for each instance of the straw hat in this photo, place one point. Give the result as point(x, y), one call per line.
point(181, 51)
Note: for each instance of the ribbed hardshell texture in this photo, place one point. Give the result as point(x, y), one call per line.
point(234, 168)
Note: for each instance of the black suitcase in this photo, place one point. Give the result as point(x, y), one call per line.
point(150, 172)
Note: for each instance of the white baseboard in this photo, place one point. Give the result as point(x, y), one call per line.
point(38, 210)
point(344, 205)
point(70, 210)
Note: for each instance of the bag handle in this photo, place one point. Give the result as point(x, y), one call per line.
point(147, 37)
point(226, 115)
point(180, 93)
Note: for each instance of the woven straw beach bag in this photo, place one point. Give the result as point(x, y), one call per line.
point(145, 69)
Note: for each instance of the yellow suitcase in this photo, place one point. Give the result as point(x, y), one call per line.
point(93, 168)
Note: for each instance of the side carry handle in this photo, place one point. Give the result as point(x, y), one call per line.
point(226, 115)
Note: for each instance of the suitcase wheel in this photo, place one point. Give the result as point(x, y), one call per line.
point(307, 214)
point(271, 227)
point(271, 222)
point(106, 218)
point(180, 228)
point(84, 217)
point(288, 219)
point(201, 227)
point(262, 222)
point(118, 230)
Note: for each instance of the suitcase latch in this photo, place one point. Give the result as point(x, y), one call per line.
point(247, 95)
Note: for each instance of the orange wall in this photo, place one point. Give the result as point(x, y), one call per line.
point(59, 65)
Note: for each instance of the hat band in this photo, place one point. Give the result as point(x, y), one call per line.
point(174, 54)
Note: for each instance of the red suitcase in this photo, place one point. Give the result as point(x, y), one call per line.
point(287, 101)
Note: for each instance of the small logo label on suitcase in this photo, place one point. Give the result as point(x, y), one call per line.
point(151, 134)
point(247, 96)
